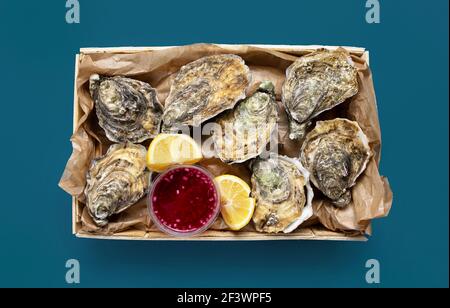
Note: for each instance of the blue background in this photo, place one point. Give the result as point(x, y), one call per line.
point(409, 59)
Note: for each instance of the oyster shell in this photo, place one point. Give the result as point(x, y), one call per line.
point(116, 181)
point(335, 152)
point(315, 83)
point(246, 130)
point(283, 194)
point(204, 88)
point(127, 109)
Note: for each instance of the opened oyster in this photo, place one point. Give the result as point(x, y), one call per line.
point(335, 152)
point(204, 88)
point(246, 130)
point(315, 83)
point(116, 181)
point(127, 109)
point(283, 195)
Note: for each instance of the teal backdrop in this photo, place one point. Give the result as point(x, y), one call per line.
point(409, 59)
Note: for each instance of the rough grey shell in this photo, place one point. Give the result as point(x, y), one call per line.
point(283, 194)
point(204, 88)
point(335, 152)
point(127, 109)
point(246, 130)
point(315, 83)
point(116, 181)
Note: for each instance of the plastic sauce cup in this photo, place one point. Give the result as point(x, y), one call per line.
point(184, 200)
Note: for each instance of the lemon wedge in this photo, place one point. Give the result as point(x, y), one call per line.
point(236, 206)
point(172, 149)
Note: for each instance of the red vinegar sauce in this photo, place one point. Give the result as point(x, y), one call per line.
point(185, 199)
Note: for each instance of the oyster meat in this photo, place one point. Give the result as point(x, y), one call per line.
point(315, 83)
point(245, 131)
point(204, 88)
point(127, 109)
point(283, 194)
point(335, 152)
point(116, 181)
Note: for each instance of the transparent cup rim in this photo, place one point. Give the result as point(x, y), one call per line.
point(168, 230)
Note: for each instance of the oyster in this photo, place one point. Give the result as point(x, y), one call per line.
point(127, 109)
point(246, 130)
point(204, 88)
point(335, 152)
point(315, 83)
point(283, 194)
point(116, 181)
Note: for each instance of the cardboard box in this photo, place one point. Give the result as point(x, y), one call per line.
point(306, 233)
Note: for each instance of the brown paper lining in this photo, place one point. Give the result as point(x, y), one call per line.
point(372, 196)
